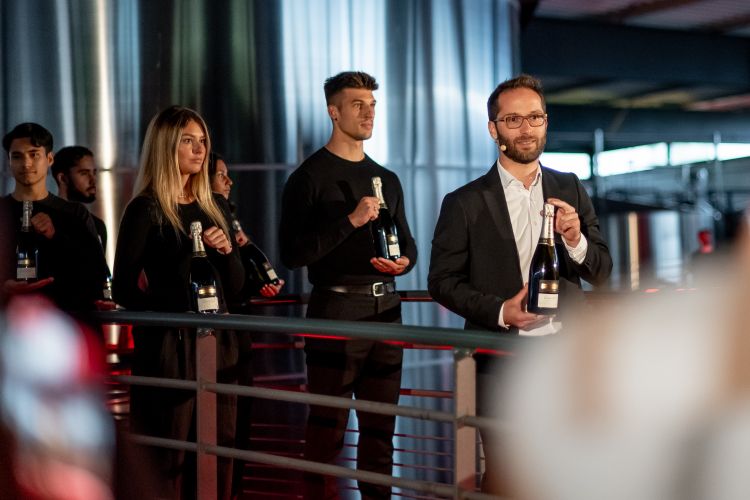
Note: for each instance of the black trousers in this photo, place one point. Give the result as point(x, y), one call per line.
point(365, 369)
point(171, 413)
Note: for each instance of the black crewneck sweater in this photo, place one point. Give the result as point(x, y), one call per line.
point(315, 230)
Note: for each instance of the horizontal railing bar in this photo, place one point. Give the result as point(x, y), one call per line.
point(172, 444)
point(334, 470)
point(298, 464)
point(293, 397)
point(470, 339)
point(331, 401)
point(164, 383)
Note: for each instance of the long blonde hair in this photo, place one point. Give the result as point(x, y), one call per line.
point(159, 172)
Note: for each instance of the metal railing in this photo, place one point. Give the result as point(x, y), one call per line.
point(463, 419)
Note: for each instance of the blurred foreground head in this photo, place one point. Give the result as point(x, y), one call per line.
point(645, 398)
point(58, 434)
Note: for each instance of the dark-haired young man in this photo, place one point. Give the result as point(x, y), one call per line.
point(488, 230)
point(74, 171)
point(327, 208)
point(71, 268)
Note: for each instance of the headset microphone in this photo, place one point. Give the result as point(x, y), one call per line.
point(503, 147)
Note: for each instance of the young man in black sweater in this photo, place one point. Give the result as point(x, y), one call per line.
point(72, 269)
point(74, 171)
point(327, 209)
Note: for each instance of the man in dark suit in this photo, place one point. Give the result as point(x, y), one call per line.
point(488, 230)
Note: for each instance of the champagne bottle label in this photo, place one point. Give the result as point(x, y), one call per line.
point(393, 247)
point(270, 270)
point(208, 300)
point(548, 294)
point(25, 271)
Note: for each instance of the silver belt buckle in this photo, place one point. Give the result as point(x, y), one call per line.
point(378, 289)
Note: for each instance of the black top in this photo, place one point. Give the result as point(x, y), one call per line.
point(73, 256)
point(315, 230)
point(147, 242)
point(101, 230)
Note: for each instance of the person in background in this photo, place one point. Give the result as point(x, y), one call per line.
point(327, 208)
point(221, 184)
point(74, 171)
point(72, 268)
point(172, 190)
point(487, 232)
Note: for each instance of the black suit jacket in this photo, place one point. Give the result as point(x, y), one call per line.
point(475, 266)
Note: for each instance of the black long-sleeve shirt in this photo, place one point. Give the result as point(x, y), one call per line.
point(73, 256)
point(147, 242)
point(315, 230)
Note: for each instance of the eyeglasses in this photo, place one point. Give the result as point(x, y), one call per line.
point(515, 121)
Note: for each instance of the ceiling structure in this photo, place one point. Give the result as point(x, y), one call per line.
point(641, 71)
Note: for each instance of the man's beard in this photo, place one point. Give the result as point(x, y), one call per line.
point(524, 157)
point(75, 195)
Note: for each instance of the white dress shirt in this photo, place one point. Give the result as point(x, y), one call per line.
point(525, 210)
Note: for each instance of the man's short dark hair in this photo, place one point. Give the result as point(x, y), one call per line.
point(68, 157)
point(522, 81)
point(38, 135)
point(348, 80)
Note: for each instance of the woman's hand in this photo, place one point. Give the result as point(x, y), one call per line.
point(271, 290)
point(215, 237)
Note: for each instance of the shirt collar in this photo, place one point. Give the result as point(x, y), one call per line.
point(506, 178)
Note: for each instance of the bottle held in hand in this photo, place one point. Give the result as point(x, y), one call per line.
point(27, 252)
point(384, 232)
point(544, 273)
point(260, 266)
point(204, 283)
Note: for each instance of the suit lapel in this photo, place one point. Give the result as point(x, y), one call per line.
point(550, 186)
point(494, 197)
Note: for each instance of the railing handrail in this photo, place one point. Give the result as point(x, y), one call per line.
point(467, 339)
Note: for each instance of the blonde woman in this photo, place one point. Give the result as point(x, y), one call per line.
point(151, 273)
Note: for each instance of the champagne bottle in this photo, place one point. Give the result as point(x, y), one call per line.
point(27, 252)
point(384, 232)
point(544, 273)
point(204, 283)
point(260, 267)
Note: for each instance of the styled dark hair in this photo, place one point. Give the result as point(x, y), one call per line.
point(68, 157)
point(522, 81)
point(348, 80)
point(38, 135)
point(213, 158)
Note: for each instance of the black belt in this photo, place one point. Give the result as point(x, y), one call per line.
point(375, 290)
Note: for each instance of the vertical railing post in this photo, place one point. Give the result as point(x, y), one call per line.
point(464, 404)
point(205, 369)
